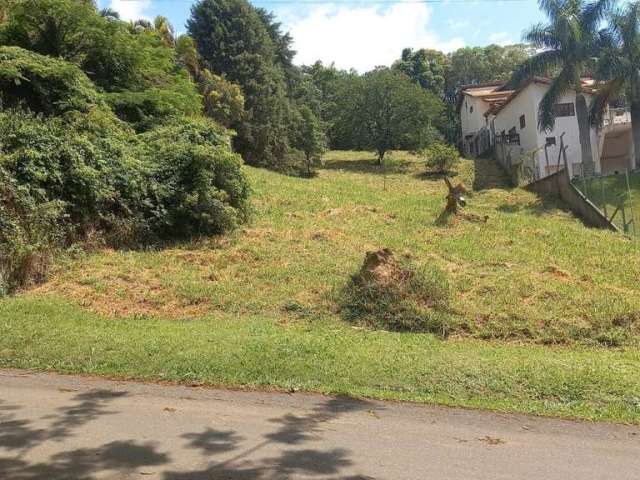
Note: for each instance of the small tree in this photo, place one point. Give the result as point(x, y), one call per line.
point(441, 158)
point(392, 112)
point(310, 137)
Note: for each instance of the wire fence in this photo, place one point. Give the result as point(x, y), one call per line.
point(617, 196)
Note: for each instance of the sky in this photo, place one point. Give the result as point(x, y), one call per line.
point(363, 34)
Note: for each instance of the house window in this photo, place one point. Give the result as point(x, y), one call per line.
point(564, 110)
point(471, 109)
point(523, 122)
point(512, 131)
point(551, 141)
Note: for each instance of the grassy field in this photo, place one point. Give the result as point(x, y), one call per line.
point(545, 312)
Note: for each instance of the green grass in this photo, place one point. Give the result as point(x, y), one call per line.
point(611, 192)
point(258, 308)
point(319, 355)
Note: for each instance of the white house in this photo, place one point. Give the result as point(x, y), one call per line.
point(507, 120)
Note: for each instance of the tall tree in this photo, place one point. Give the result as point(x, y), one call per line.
point(428, 68)
point(309, 137)
point(233, 40)
point(165, 30)
point(618, 66)
point(471, 65)
point(569, 44)
point(390, 112)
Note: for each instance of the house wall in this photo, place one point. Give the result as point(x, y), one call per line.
point(508, 118)
point(470, 122)
point(568, 126)
point(531, 138)
point(616, 152)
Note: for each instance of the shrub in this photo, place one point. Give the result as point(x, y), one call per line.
point(149, 108)
point(43, 84)
point(65, 178)
point(27, 232)
point(441, 158)
point(397, 295)
point(198, 185)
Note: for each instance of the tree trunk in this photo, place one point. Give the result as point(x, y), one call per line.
point(380, 158)
point(584, 131)
point(635, 132)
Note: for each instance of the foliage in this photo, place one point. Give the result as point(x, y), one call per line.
point(116, 58)
point(309, 137)
point(151, 107)
point(223, 100)
point(28, 229)
point(568, 44)
point(441, 157)
point(199, 188)
point(470, 65)
point(428, 68)
point(616, 68)
point(187, 55)
point(328, 92)
point(233, 39)
point(42, 84)
point(387, 111)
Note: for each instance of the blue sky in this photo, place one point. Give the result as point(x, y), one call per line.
point(364, 34)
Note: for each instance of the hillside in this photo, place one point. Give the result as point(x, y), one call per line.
point(261, 302)
point(530, 271)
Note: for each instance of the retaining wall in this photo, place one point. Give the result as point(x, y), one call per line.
point(559, 185)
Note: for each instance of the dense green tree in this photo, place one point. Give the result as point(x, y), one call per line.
point(326, 90)
point(187, 55)
point(309, 137)
point(233, 40)
point(165, 30)
point(428, 68)
point(390, 112)
point(617, 66)
point(569, 44)
point(223, 100)
point(471, 65)
point(282, 44)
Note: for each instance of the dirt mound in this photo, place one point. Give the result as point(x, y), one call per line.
point(392, 293)
point(381, 266)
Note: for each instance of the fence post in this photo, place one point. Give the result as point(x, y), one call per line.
point(633, 218)
point(604, 198)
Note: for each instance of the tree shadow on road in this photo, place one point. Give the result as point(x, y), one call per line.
point(124, 456)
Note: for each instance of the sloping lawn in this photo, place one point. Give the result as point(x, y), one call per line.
point(545, 312)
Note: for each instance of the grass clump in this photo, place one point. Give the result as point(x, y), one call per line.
point(398, 295)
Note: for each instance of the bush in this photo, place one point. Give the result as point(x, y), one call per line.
point(397, 295)
point(27, 231)
point(198, 185)
point(441, 158)
point(66, 178)
point(43, 84)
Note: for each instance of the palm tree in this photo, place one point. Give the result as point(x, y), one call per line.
point(568, 43)
point(110, 14)
point(165, 30)
point(618, 66)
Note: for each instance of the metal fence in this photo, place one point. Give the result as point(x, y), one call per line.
point(617, 196)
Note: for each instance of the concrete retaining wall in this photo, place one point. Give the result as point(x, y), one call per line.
point(559, 185)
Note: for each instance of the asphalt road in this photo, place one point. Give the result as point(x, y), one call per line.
point(72, 428)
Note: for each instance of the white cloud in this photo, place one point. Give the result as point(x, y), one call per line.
point(131, 9)
point(364, 37)
point(501, 38)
